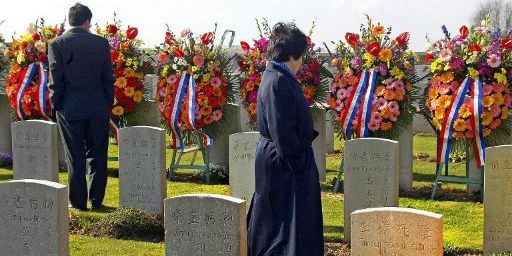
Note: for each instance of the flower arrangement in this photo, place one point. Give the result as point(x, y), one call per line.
point(476, 53)
point(388, 107)
point(27, 56)
point(4, 62)
point(130, 65)
point(312, 77)
point(210, 81)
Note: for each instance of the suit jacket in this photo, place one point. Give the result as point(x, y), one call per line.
point(81, 76)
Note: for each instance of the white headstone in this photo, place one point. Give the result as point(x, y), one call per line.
point(5, 125)
point(34, 218)
point(371, 167)
point(406, 173)
point(498, 201)
point(396, 231)
point(474, 172)
point(318, 144)
point(35, 150)
point(219, 152)
point(204, 224)
point(142, 175)
point(242, 154)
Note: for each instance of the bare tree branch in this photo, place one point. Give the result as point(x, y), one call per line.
point(499, 11)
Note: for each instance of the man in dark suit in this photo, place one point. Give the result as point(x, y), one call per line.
point(82, 93)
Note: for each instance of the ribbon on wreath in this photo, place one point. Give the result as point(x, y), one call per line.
point(445, 139)
point(187, 84)
point(28, 75)
point(114, 126)
point(361, 97)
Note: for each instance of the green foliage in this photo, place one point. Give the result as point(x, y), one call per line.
point(130, 223)
point(218, 175)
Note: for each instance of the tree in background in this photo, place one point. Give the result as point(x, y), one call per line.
point(499, 11)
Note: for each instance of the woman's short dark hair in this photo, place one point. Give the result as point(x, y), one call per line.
point(286, 40)
point(79, 14)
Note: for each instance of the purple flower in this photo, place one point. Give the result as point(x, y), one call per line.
point(456, 63)
point(445, 31)
point(383, 70)
point(356, 62)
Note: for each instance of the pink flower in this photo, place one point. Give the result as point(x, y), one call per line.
point(198, 60)
point(172, 80)
point(494, 61)
point(217, 115)
point(394, 116)
point(380, 103)
point(373, 126)
point(495, 123)
point(445, 55)
point(445, 89)
point(161, 107)
point(469, 125)
point(339, 106)
point(215, 81)
point(469, 134)
point(397, 85)
point(197, 115)
point(253, 97)
point(496, 111)
point(508, 100)
point(487, 89)
point(499, 88)
point(393, 106)
point(433, 104)
point(376, 117)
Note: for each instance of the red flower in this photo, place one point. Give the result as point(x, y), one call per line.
point(403, 39)
point(314, 66)
point(213, 102)
point(132, 81)
point(464, 32)
point(352, 39)
point(114, 55)
point(475, 48)
point(428, 57)
point(506, 43)
point(36, 36)
point(309, 42)
point(112, 29)
point(168, 37)
point(374, 48)
point(178, 53)
point(132, 33)
point(119, 72)
point(245, 46)
point(207, 38)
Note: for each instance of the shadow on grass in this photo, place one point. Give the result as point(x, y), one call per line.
point(444, 194)
point(6, 176)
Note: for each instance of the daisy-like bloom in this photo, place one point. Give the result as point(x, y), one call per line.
point(129, 91)
point(499, 88)
point(486, 118)
point(494, 61)
point(504, 113)
point(495, 123)
point(385, 126)
point(445, 89)
point(487, 101)
point(508, 100)
point(465, 111)
point(380, 103)
point(495, 111)
point(206, 110)
point(445, 101)
point(445, 55)
point(375, 117)
point(393, 106)
point(459, 125)
point(487, 89)
point(215, 81)
point(447, 77)
point(437, 123)
point(433, 92)
point(378, 30)
point(120, 82)
point(118, 111)
point(385, 55)
point(137, 96)
point(498, 99)
point(486, 132)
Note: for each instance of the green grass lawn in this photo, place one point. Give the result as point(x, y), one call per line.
point(463, 221)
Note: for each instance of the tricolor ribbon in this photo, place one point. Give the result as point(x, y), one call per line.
point(43, 88)
point(361, 97)
point(452, 113)
point(27, 74)
point(186, 82)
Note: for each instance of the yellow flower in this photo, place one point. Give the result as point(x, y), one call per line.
point(473, 73)
point(120, 82)
point(459, 125)
point(464, 111)
point(206, 77)
point(437, 123)
point(439, 113)
point(444, 101)
point(128, 62)
point(137, 96)
point(194, 68)
point(129, 72)
point(486, 118)
point(486, 132)
point(437, 65)
point(504, 113)
point(498, 99)
point(118, 111)
point(21, 58)
point(433, 92)
point(447, 77)
point(487, 101)
point(129, 91)
point(385, 55)
point(397, 73)
point(501, 78)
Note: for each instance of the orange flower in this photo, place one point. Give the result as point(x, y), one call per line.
point(217, 91)
point(121, 82)
point(137, 96)
point(399, 95)
point(389, 95)
point(378, 30)
point(309, 91)
point(208, 120)
point(458, 135)
point(206, 110)
point(459, 125)
point(386, 113)
point(167, 101)
point(408, 87)
point(486, 132)
point(385, 126)
point(129, 91)
point(252, 108)
point(486, 118)
point(118, 111)
point(504, 113)
point(498, 99)
point(380, 90)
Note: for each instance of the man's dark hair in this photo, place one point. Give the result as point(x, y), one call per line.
point(79, 14)
point(286, 40)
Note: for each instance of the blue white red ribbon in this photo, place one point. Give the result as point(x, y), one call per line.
point(362, 129)
point(186, 82)
point(354, 101)
point(43, 88)
point(28, 74)
point(446, 137)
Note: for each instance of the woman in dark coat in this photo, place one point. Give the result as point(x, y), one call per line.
point(285, 217)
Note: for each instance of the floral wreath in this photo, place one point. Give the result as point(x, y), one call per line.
point(312, 77)
point(27, 81)
point(194, 86)
point(371, 94)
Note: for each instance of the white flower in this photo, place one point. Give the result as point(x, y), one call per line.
point(446, 55)
point(494, 61)
point(32, 28)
